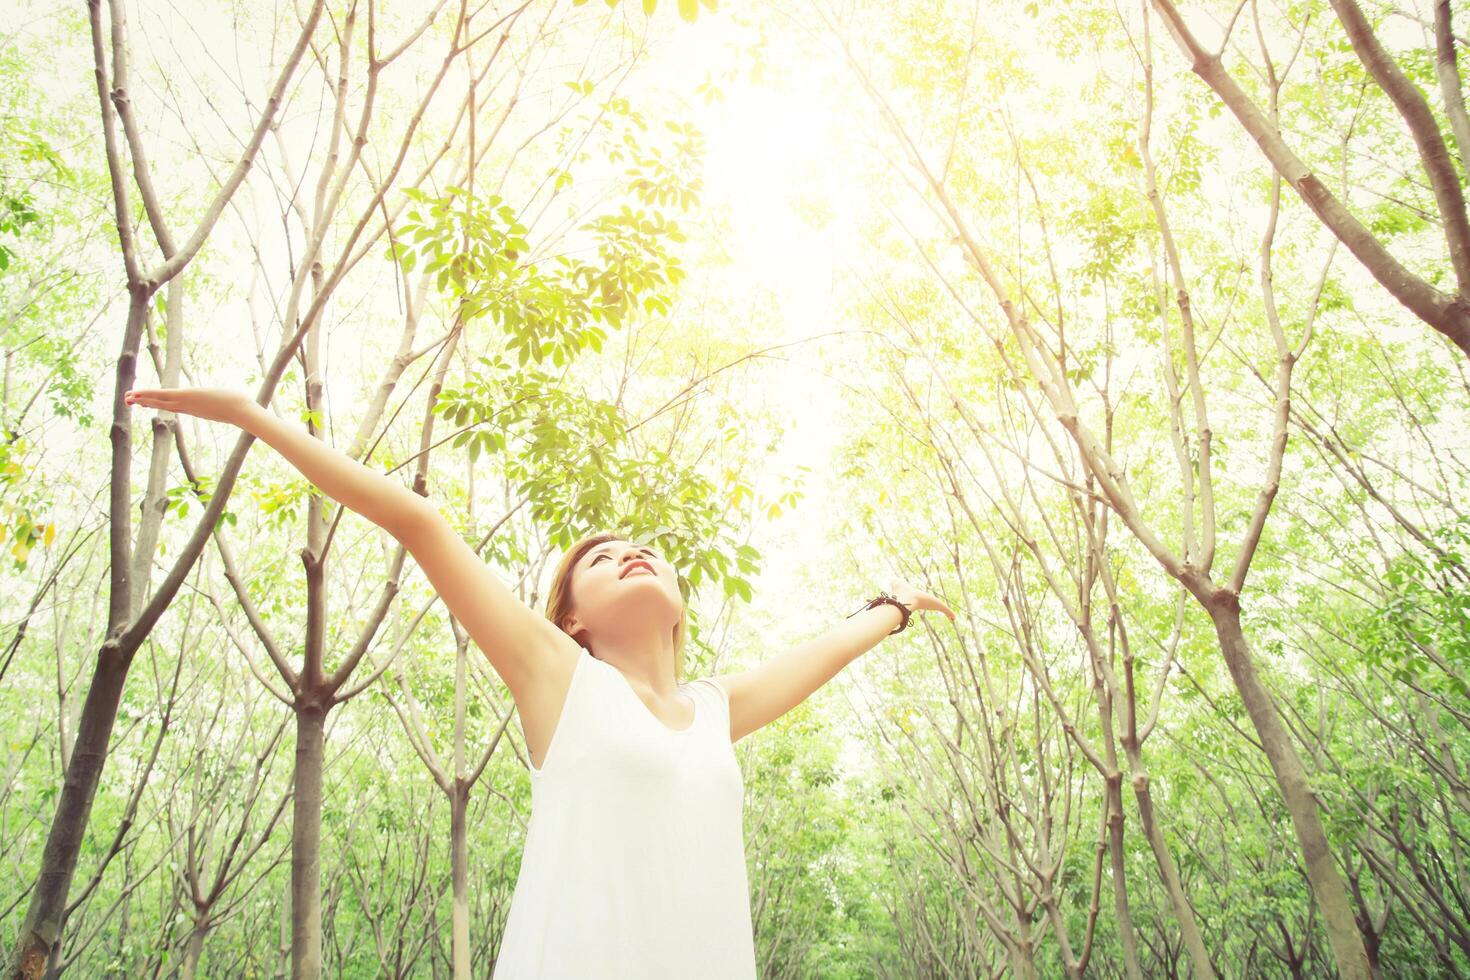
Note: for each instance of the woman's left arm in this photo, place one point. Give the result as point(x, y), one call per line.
point(766, 692)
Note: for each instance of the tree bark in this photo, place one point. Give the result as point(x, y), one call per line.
point(1291, 777)
point(1126, 933)
point(1168, 872)
point(1447, 69)
point(459, 872)
point(42, 928)
point(194, 949)
point(306, 844)
point(1023, 961)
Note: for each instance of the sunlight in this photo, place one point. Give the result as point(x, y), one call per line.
point(1150, 371)
point(779, 168)
point(782, 176)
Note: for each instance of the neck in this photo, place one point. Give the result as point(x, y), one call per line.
point(645, 657)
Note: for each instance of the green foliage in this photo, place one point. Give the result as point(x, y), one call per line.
point(477, 249)
point(30, 154)
point(1421, 632)
point(21, 497)
point(278, 501)
point(573, 457)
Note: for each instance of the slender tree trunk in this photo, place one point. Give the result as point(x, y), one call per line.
point(194, 948)
point(459, 861)
point(1023, 962)
point(42, 929)
point(1194, 943)
point(1291, 776)
point(1126, 933)
point(306, 845)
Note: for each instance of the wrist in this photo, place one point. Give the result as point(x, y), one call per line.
point(901, 609)
point(895, 616)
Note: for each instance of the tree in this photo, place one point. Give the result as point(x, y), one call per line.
point(130, 618)
point(1446, 311)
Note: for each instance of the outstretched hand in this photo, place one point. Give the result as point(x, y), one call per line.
point(214, 404)
point(916, 599)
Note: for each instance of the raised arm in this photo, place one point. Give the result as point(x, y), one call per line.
point(529, 653)
point(767, 691)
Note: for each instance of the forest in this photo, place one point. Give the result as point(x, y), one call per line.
point(1137, 331)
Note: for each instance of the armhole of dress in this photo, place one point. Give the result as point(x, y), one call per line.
point(724, 697)
point(561, 721)
point(724, 694)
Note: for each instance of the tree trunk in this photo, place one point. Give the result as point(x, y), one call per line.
point(41, 932)
point(1023, 962)
point(459, 861)
point(1194, 943)
point(306, 845)
point(1296, 792)
point(195, 948)
point(1120, 881)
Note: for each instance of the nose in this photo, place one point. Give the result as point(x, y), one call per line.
point(633, 558)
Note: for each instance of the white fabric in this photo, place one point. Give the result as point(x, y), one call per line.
point(634, 863)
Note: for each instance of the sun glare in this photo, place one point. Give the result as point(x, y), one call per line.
point(778, 166)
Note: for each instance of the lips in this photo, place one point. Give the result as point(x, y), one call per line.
point(636, 564)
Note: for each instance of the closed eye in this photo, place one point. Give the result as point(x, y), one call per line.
point(604, 555)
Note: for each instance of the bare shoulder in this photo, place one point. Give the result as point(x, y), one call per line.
point(729, 683)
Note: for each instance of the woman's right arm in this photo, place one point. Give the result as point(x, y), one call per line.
point(520, 644)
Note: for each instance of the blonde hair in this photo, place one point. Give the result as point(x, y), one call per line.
point(559, 599)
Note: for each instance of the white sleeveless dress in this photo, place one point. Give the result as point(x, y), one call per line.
point(634, 862)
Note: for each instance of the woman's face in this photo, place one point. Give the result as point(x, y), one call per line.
point(616, 582)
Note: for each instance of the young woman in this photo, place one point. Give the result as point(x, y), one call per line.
point(634, 862)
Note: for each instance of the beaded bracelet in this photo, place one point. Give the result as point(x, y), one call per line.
point(880, 599)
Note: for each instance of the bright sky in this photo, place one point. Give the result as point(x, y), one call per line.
point(783, 162)
point(783, 167)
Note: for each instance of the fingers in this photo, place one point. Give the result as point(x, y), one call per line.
point(151, 398)
point(943, 607)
